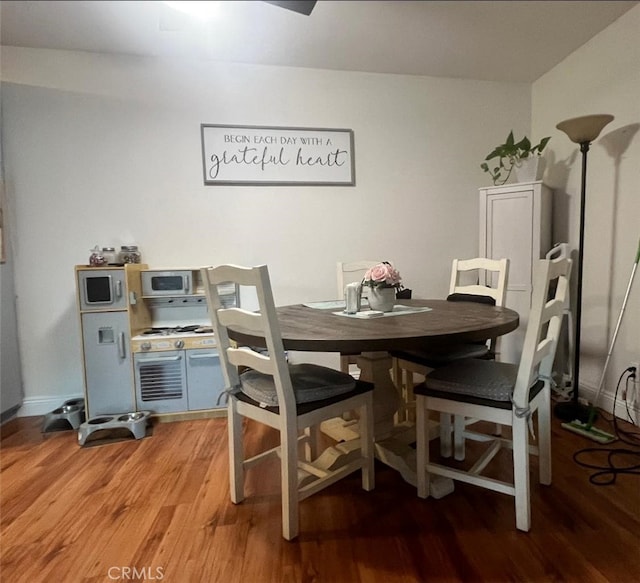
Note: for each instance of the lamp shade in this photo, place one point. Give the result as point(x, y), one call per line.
point(586, 128)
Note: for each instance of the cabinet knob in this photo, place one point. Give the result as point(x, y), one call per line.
point(179, 343)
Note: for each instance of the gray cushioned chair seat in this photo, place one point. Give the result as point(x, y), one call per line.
point(304, 408)
point(475, 381)
point(486, 379)
point(438, 357)
point(311, 382)
point(478, 299)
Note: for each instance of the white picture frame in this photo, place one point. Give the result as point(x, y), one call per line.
point(277, 156)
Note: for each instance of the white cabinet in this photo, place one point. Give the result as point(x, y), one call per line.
point(515, 222)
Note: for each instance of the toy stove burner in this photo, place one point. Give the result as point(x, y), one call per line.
point(167, 331)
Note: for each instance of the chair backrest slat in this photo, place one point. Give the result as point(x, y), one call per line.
point(265, 323)
point(543, 329)
point(492, 272)
point(237, 274)
point(486, 268)
point(241, 319)
point(246, 357)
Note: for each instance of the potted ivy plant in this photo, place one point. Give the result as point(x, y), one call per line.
point(519, 155)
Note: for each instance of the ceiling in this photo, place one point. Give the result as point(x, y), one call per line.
point(495, 41)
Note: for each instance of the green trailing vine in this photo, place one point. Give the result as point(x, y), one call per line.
point(509, 155)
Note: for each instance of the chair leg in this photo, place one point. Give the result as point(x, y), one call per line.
point(410, 399)
point(458, 437)
point(366, 444)
point(544, 439)
point(289, 479)
point(445, 435)
point(236, 453)
point(345, 366)
point(396, 373)
point(311, 442)
point(422, 446)
point(400, 379)
point(521, 473)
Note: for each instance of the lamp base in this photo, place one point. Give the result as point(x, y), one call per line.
point(573, 411)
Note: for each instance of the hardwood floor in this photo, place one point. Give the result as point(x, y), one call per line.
point(158, 509)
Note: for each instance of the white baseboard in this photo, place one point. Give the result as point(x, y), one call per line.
point(33, 406)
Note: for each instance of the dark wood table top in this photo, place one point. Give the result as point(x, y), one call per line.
point(315, 330)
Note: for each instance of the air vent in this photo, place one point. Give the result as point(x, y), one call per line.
point(160, 381)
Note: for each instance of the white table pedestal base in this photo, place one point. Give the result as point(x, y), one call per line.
point(394, 443)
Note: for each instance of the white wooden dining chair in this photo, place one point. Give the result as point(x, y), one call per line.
point(350, 272)
point(293, 399)
point(477, 280)
point(502, 393)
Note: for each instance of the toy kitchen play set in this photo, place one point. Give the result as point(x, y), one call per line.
point(147, 341)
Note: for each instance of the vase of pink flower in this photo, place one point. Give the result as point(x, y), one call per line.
point(383, 281)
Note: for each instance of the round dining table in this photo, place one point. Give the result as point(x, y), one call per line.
point(309, 327)
point(413, 325)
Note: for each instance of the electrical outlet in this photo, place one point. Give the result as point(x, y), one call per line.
point(634, 397)
point(636, 380)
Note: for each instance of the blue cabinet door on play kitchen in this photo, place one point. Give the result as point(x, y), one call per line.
point(107, 356)
point(204, 379)
point(178, 380)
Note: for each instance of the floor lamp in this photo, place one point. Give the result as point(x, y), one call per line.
point(581, 130)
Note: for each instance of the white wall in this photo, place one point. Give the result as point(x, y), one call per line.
point(603, 76)
point(106, 150)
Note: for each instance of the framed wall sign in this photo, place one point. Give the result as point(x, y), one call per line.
point(261, 155)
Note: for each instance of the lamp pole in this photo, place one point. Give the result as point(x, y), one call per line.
point(573, 409)
point(581, 130)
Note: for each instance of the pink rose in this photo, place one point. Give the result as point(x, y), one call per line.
point(394, 275)
point(378, 273)
point(383, 274)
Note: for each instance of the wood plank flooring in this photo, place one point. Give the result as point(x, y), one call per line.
point(158, 509)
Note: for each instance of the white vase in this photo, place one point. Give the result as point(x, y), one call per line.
point(529, 169)
point(382, 298)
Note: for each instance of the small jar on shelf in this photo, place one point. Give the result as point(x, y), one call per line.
point(129, 254)
point(96, 259)
point(110, 255)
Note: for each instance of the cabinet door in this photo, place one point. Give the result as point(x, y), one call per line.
point(161, 382)
point(510, 234)
point(107, 357)
point(102, 289)
point(204, 379)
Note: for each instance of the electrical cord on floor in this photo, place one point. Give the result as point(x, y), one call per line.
point(615, 465)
